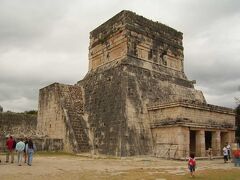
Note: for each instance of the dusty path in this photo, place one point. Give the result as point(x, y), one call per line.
point(75, 167)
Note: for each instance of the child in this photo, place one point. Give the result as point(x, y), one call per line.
point(192, 164)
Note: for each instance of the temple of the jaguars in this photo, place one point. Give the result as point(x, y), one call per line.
point(135, 98)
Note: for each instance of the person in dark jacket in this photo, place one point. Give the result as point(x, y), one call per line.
point(30, 149)
point(25, 152)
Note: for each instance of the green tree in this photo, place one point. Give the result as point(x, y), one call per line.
point(237, 110)
point(31, 112)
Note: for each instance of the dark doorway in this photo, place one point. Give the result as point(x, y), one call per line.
point(208, 139)
point(192, 145)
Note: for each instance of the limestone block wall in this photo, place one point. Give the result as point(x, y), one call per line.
point(171, 142)
point(48, 144)
point(61, 115)
point(50, 113)
point(154, 42)
point(149, 68)
point(104, 109)
point(51, 117)
point(205, 116)
point(107, 49)
point(154, 47)
point(21, 125)
point(115, 104)
point(128, 34)
point(108, 42)
point(17, 124)
point(160, 88)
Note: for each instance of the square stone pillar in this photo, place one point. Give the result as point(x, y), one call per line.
point(182, 139)
point(216, 143)
point(231, 137)
point(200, 143)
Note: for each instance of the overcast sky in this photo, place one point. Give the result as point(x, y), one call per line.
point(46, 41)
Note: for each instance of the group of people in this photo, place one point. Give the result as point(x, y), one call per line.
point(24, 149)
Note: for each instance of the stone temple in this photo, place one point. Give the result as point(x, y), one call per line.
point(135, 98)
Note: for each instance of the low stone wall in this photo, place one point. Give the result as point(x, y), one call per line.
point(21, 125)
point(17, 124)
point(47, 144)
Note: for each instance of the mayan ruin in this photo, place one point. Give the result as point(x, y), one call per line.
point(135, 99)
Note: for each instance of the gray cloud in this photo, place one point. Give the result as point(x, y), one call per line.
point(212, 58)
point(42, 42)
point(24, 22)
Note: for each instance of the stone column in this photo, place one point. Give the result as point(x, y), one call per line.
point(231, 137)
point(183, 142)
point(200, 143)
point(216, 143)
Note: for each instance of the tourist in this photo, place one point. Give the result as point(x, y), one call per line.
point(10, 149)
point(25, 152)
point(30, 149)
point(229, 151)
point(225, 154)
point(209, 151)
point(192, 164)
point(19, 148)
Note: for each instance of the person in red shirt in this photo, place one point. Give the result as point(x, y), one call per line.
point(192, 164)
point(10, 149)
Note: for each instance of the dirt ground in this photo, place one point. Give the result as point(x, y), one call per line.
point(80, 167)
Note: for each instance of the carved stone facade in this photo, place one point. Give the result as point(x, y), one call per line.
point(190, 127)
point(135, 98)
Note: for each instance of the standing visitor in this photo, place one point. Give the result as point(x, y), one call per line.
point(25, 152)
point(225, 154)
point(30, 149)
point(10, 149)
point(229, 151)
point(192, 164)
point(19, 148)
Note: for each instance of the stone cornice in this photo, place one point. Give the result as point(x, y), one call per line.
point(184, 122)
point(192, 105)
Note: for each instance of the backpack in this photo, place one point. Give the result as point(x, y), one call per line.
point(192, 162)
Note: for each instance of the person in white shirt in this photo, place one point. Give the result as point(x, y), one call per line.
point(229, 151)
point(19, 148)
point(225, 154)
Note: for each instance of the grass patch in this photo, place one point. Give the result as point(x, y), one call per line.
point(149, 174)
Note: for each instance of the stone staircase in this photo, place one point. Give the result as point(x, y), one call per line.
point(72, 103)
